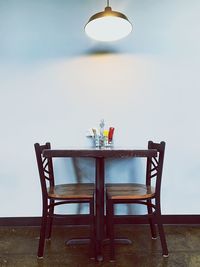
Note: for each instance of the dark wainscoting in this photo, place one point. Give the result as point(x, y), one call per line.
point(83, 219)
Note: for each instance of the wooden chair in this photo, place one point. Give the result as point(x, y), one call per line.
point(54, 195)
point(144, 194)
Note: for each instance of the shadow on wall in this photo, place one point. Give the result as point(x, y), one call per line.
point(101, 50)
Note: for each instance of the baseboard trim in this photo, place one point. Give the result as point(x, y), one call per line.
point(83, 220)
point(167, 219)
point(36, 221)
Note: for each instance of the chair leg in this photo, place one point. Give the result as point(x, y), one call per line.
point(162, 235)
point(42, 235)
point(50, 220)
point(92, 231)
point(151, 222)
point(111, 228)
point(107, 219)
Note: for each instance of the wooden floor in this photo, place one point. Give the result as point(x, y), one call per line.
point(18, 248)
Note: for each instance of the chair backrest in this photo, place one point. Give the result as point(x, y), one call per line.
point(155, 166)
point(45, 168)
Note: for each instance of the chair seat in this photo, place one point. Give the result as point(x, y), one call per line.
point(72, 191)
point(130, 191)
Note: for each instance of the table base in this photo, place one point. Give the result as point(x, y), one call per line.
point(106, 241)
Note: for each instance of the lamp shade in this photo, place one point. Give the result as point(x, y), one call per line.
point(108, 26)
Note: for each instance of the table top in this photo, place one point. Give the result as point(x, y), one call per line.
point(99, 152)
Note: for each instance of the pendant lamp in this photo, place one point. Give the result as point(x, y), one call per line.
point(108, 25)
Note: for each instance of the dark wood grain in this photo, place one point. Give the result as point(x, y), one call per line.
point(71, 191)
point(105, 153)
point(130, 191)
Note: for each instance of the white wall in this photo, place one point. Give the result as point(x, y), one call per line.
point(55, 83)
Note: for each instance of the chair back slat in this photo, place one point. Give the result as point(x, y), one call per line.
point(154, 162)
point(45, 167)
point(45, 163)
point(46, 171)
point(155, 165)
